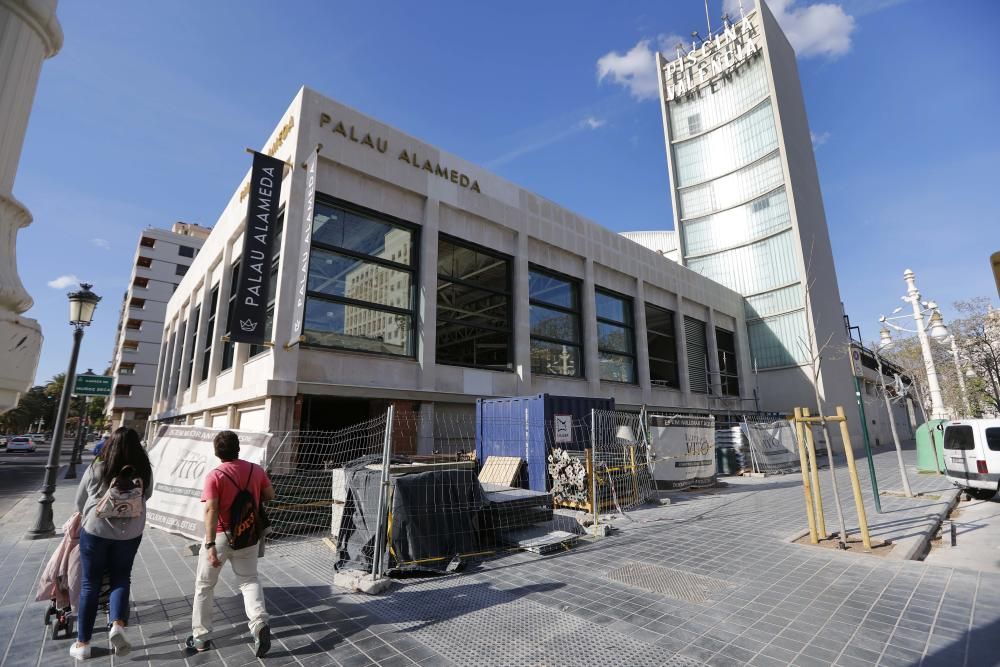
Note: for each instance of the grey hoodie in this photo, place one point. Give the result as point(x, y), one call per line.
point(89, 493)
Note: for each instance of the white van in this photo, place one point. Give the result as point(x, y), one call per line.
point(972, 456)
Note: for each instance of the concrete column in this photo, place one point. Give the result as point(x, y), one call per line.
point(714, 372)
point(588, 310)
point(641, 342)
point(426, 325)
point(29, 33)
point(425, 429)
point(522, 316)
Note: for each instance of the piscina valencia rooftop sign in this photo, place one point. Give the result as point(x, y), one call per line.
point(711, 64)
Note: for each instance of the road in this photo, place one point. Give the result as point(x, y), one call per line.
point(21, 472)
point(977, 528)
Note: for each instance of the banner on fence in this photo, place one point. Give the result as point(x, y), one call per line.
point(684, 450)
point(181, 457)
point(774, 445)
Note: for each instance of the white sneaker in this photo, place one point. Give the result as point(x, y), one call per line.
point(119, 642)
point(79, 651)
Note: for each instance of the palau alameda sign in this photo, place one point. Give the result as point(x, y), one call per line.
point(250, 309)
point(93, 385)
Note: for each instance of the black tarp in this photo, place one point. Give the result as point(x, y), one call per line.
point(434, 517)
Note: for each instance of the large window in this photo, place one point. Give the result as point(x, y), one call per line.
point(229, 346)
point(175, 372)
point(473, 306)
point(272, 285)
point(661, 338)
point(555, 324)
point(697, 351)
point(206, 358)
point(778, 341)
point(759, 267)
point(726, 148)
point(729, 374)
point(361, 282)
point(191, 350)
point(615, 337)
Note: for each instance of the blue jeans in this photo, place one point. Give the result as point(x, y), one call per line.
point(99, 555)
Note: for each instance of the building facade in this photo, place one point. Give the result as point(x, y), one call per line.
point(404, 274)
point(747, 204)
point(162, 258)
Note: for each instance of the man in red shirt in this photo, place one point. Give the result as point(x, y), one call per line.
point(222, 484)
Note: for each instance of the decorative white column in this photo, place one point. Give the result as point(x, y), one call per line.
point(29, 33)
point(933, 388)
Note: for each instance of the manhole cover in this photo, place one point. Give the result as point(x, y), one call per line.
point(674, 583)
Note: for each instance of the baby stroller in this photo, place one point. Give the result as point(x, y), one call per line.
point(60, 582)
point(60, 618)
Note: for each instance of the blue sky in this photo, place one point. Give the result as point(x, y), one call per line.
point(142, 119)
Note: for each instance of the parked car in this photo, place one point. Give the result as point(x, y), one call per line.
point(3, 441)
point(972, 456)
point(20, 443)
point(38, 438)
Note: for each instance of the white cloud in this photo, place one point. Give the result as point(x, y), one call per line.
point(818, 29)
point(592, 123)
point(819, 138)
point(636, 69)
point(63, 282)
point(101, 243)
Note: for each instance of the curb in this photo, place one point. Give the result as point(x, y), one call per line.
point(914, 548)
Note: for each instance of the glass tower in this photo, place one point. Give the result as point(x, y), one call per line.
point(746, 199)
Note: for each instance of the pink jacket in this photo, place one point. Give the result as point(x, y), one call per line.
point(61, 577)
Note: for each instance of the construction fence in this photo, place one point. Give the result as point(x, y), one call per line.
point(409, 490)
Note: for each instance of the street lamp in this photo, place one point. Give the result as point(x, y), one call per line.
point(82, 304)
point(885, 340)
point(940, 333)
point(937, 330)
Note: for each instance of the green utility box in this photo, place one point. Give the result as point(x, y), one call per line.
point(930, 440)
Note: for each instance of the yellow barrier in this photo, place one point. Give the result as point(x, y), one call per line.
point(804, 423)
point(805, 475)
point(814, 473)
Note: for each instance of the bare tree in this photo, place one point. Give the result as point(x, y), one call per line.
point(977, 335)
point(814, 351)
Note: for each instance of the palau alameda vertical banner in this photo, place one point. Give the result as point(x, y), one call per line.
point(305, 245)
point(250, 309)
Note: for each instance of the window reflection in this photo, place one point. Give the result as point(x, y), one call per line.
point(615, 337)
point(554, 306)
point(360, 286)
point(473, 306)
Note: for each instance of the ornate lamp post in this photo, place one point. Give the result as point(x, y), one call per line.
point(937, 330)
point(940, 333)
point(82, 304)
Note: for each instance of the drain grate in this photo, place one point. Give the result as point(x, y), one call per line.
point(683, 661)
point(673, 583)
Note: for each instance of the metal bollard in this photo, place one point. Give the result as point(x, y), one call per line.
point(954, 534)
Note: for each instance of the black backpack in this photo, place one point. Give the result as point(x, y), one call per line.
point(244, 516)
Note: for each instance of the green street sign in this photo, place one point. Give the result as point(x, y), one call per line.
point(93, 385)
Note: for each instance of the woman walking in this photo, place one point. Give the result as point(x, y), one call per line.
point(112, 501)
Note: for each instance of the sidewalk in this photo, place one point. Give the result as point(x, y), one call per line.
point(710, 579)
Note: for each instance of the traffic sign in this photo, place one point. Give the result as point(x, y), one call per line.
point(93, 385)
